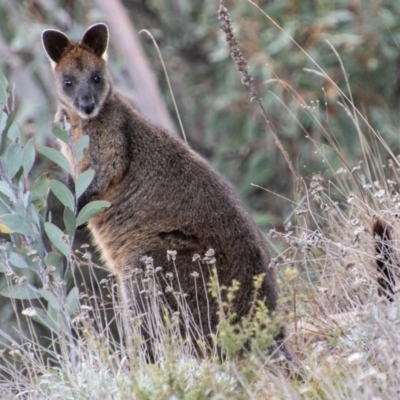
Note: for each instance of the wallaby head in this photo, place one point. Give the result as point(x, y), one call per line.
point(80, 69)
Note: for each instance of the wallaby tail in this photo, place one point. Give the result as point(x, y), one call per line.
point(384, 260)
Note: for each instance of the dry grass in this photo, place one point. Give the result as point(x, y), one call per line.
point(344, 335)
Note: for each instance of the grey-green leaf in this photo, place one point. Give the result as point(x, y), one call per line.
point(18, 260)
point(73, 300)
point(2, 121)
point(83, 181)
point(13, 159)
point(69, 221)
point(17, 223)
point(58, 317)
point(56, 236)
point(5, 189)
point(57, 157)
point(63, 194)
point(42, 317)
point(39, 190)
point(14, 134)
point(51, 298)
point(60, 133)
point(3, 91)
point(55, 260)
point(91, 210)
point(21, 292)
point(80, 145)
point(29, 156)
point(4, 134)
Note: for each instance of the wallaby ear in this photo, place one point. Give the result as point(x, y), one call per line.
point(96, 38)
point(55, 43)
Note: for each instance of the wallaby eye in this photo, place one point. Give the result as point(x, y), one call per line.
point(97, 79)
point(67, 82)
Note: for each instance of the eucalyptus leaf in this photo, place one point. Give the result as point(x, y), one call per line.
point(4, 134)
point(60, 133)
point(56, 236)
point(69, 221)
point(80, 145)
point(52, 299)
point(26, 199)
point(18, 260)
point(83, 181)
point(17, 223)
point(57, 157)
point(20, 292)
point(43, 318)
point(14, 134)
point(3, 89)
point(58, 317)
point(91, 210)
point(39, 191)
point(5, 189)
point(56, 261)
point(18, 176)
point(3, 266)
point(72, 301)
point(29, 156)
point(13, 159)
point(63, 194)
point(37, 219)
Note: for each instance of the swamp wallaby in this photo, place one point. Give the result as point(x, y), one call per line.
point(163, 195)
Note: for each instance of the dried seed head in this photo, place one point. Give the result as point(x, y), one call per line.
point(137, 271)
point(209, 256)
point(59, 283)
point(30, 312)
point(196, 257)
point(148, 261)
point(21, 280)
point(65, 239)
point(171, 255)
point(240, 62)
point(50, 270)
point(210, 253)
point(272, 263)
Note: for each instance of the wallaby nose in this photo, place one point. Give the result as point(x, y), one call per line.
point(87, 108)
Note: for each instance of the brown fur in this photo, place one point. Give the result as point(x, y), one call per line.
point(384, 260)
point(163, 195)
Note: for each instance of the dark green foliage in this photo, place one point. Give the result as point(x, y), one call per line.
point(300, 103)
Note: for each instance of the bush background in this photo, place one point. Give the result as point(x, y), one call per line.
point(219, 120)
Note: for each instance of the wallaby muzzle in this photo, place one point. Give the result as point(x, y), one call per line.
point(86, 102)
point(87, 107)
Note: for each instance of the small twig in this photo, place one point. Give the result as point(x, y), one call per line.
point(178, 115)
point(248, 80)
